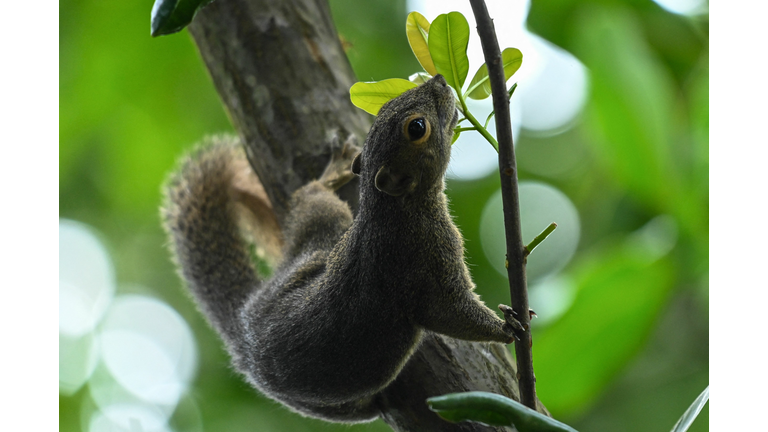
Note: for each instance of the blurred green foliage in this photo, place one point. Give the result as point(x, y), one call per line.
point(630, 353)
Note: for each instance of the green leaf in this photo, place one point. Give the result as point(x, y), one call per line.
point(417, 31)
point(370, 96)
point(170, 16)
point(480, 86)
point(448, 40)
point(494, 410)
point(455, 137)
point(692, 412)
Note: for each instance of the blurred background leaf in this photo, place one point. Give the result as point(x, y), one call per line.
point(622, 338)
point(692, 412)
point(620, 290)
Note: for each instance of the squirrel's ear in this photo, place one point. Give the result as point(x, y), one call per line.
point(393, 183)
point(356, 164)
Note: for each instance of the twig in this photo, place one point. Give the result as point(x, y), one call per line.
point(511, 91)
point(539, 238)
point(510, 199)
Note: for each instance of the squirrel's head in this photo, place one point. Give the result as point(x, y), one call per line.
point(409, 145)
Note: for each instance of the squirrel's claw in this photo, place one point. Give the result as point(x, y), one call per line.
point(512, 323)
point(531, 312)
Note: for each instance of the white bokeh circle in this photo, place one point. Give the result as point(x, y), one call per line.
point(86, 279)
point(540, 205)
point(128, 418)
point(148, 348)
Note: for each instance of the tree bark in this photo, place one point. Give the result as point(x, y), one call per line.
point(284, 79)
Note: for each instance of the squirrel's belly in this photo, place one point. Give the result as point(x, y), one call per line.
point(345, 369)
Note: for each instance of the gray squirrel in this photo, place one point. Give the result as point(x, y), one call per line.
point(350, 298)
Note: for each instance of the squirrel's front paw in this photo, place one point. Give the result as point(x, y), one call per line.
point(512, 325)
point(339, 169)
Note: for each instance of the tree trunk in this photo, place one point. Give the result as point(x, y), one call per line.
point(282, 74)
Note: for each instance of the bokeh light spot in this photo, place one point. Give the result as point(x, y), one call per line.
point(550, 297)
point(540, 205)
point(128, 418)
point(86, 279)
point(555, 90)
point(473, 157)
point(656, 238)
point(148, 348)
point(684, 7)
point(78, 357)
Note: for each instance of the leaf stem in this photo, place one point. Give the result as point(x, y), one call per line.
point(488, 120)
point(484, 132)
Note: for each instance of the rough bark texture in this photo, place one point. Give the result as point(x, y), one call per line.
point(284, 80)
point(282, 74)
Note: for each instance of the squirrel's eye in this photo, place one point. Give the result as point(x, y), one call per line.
point(416, 129)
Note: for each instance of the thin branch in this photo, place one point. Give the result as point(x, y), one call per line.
point(539, 238)
point(510, 199)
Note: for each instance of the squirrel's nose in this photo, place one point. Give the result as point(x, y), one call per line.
point(438, 79)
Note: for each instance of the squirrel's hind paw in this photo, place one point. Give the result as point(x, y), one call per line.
point(339, 169)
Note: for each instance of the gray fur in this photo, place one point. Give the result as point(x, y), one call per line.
point(350, 300)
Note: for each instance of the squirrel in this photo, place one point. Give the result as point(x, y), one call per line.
point(350, 297)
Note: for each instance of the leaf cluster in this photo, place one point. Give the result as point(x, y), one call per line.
point(441, 48)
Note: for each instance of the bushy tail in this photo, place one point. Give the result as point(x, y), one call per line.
point(204, 201)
